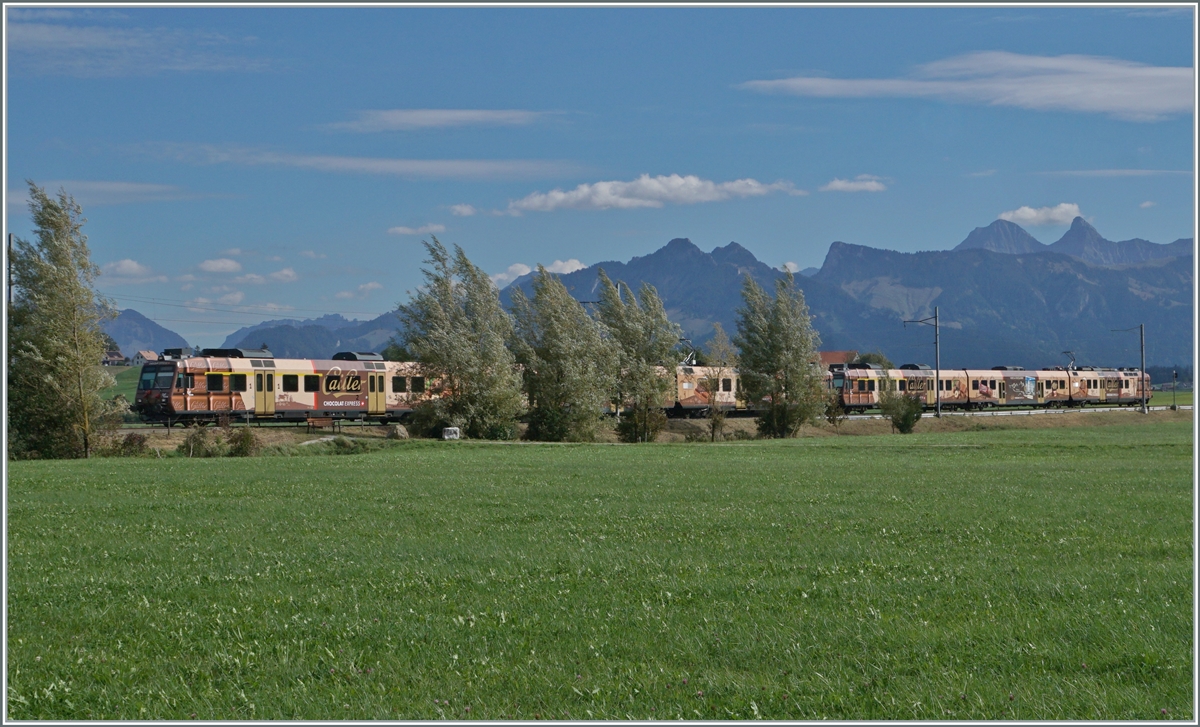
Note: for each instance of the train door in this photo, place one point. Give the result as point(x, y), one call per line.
point(376, 396)
point(1003, 392)
point(264, 393)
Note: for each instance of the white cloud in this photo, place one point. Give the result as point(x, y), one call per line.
point(287, 275)
point(186, 278)
point(514, 271)
point(361, 292)
point(129, 272)
point(413, 168)
point(462, 210)
point(1147, 204)
point(408, 119)
point(198, 304)
point(233, 298)
point(791, 267)
point(562, 267)
point(221, 265)
point(251, 278)
point(422, 230)
point(1061, 214)
point(92, 51)
point(234, 251)
point(1092, 84)
point(312, 255)
point(646, 191)
point(861, 183)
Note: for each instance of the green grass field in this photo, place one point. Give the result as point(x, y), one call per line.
point(127, 380)
point(1019, 575)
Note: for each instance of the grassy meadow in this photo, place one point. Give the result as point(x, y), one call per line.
point(1019, 574)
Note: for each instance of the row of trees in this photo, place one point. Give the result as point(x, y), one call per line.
point(571, 364)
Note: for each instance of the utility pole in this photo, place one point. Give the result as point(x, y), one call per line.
point(1141, 327)
point(937, 355)
point(1174, 387)
point(9, 259)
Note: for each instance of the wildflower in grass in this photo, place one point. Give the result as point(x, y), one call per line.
point(1011, 697)
point(685, 681)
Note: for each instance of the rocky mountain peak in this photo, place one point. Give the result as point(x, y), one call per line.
point(1001, 236)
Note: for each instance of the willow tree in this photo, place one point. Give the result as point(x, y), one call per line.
point(778, 357)
point(456, 327)
point(55, 343)
point(568, 365)
point(648, 343)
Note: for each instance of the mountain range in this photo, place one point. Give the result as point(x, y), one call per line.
point(134, 332)
point(1003, 298)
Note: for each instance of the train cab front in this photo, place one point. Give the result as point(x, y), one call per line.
point(153, 398)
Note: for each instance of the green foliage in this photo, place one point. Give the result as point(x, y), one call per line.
point(200, 442)
point(55, 342)
point(647, 342)
point(902, 409)
point(456, 326)
point(875, 358)
point(835, 411)
point(721, 359)
point(133, 444)
point(569, 368)
point(243, 442)
point(865, 578)
point(778, 354)
point(394, 351)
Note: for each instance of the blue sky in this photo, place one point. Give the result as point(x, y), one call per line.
point(237, 164)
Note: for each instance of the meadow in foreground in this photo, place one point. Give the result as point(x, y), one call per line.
point(1023, 574)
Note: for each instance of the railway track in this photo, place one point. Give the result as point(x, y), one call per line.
point(1028, 412)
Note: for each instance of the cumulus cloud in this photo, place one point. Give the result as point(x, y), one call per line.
point(233, 298)
point(791, 267)
point(221, 265)
point(1061, 214)
point(234, 251)
point(129, 272)
point(409, 119)
point(1090, 84)
point(462, 210)
point(1147, 204)
point(646, 191)
point(411, 168)
point(422, 230)
point(198, 304)
point(361, 291)
point(251, 278)
point(861, 183)
point(313, 255)
point(514, 271)
point(562, 267)
point(287, 275)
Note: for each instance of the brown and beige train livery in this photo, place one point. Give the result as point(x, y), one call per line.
point(251, 384)
point(1000, 386)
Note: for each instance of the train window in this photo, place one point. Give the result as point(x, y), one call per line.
point(270, 382)
point(371, 384)
point(289, 382)
point(191, 381)
point(399, 384)
point(179, 381)
point(147, 380)
point(726, 384)
point(688, 385)
point(164, 378)
point(975, 384)
point(862, 385)
point(871, 385)
point(418, 384)
point(903, 384)
point(258, 382)
point(214, 382)
point(992, 383)
point(237, 382)
point(312, 382)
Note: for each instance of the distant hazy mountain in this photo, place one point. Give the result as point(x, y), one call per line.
point(1082, 241)
point(1001, 236)
point(135, 332)
point(318, 337)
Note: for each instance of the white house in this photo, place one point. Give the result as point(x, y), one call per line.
point(142, 357)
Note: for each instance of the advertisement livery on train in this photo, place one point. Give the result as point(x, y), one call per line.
point(253, 385)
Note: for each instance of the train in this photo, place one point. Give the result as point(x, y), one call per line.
point(252, 385)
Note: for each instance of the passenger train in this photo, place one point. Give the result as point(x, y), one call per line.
point(253, 385)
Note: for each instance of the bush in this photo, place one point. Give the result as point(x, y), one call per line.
point(641, 425)
point(199, 443)
point(427, 421)
point(243, 442)
point(132, 444)
point(902, 410)
point(835, 412)
point(345, 445)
